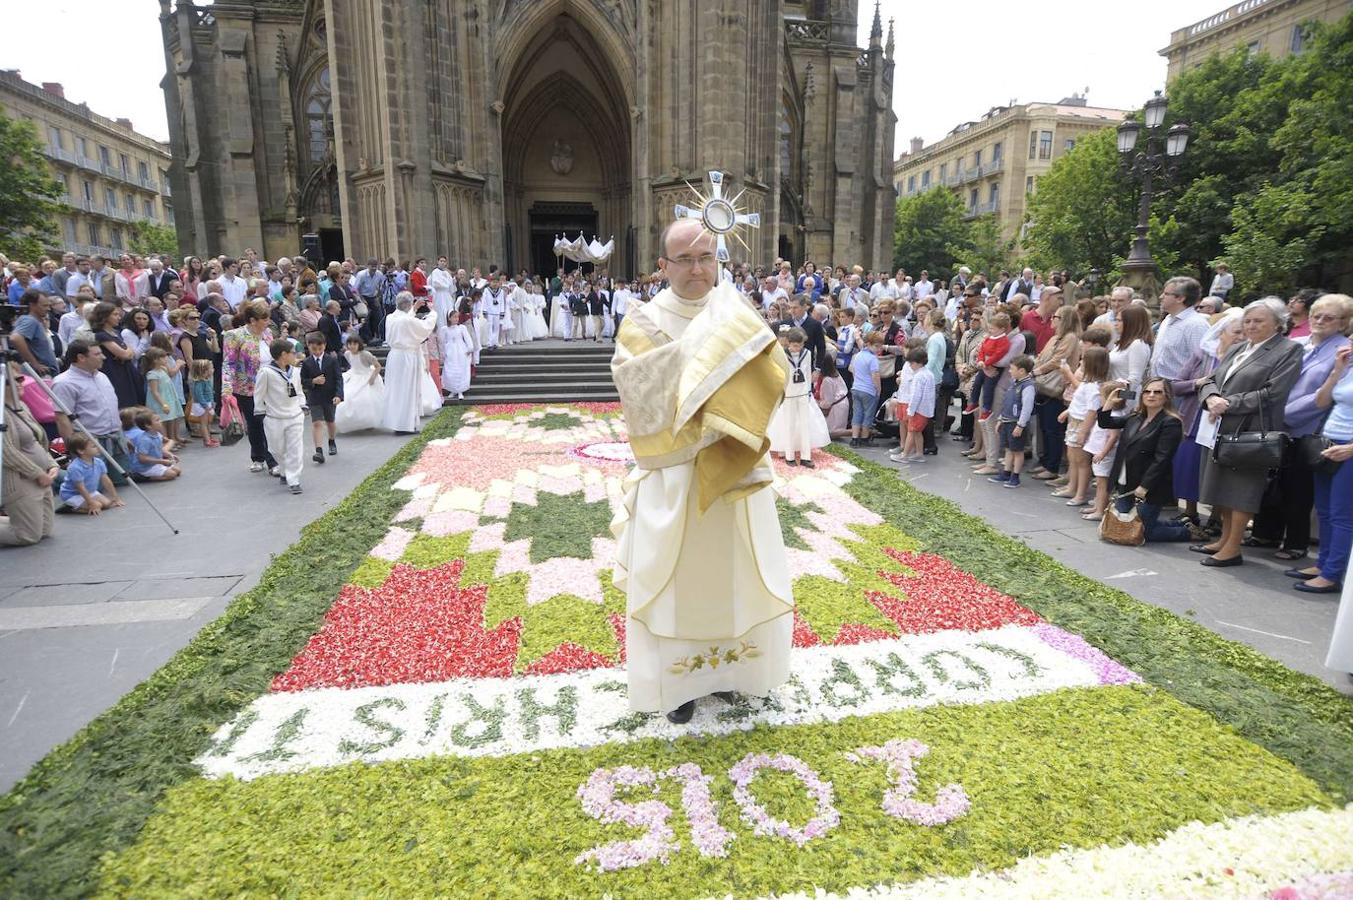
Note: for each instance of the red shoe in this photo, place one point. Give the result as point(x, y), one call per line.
point(969, 410)
point(986, 414)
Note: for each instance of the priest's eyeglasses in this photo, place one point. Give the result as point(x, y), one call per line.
point(705, 261)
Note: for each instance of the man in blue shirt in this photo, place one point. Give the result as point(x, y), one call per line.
point(32, 338)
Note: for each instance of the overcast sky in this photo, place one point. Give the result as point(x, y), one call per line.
point(954, 60)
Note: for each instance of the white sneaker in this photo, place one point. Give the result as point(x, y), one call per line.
point(895, 456)
point(274, 471)
point(256, 467)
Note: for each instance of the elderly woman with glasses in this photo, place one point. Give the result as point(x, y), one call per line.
point(1284, 520)
point(1247, 392)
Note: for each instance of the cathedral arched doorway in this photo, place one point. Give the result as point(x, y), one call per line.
point(566, 145)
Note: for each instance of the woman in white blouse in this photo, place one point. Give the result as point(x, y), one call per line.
point(1129, 360)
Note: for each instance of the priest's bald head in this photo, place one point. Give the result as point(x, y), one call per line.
point(687, 258)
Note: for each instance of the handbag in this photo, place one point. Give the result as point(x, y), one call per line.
point(232, 422)
point(1311, 449)
point(1122, 528)
point(1255, 450)
point(360, 310)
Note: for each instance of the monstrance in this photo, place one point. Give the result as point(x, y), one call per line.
point(718, 216)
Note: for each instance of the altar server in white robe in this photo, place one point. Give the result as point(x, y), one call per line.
point(699, 551)
point(521, 305)
point(405, 370)
point(442, 283)
point(561, 323)
point(457, 352)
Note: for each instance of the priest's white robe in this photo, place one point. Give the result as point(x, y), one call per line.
point(405, 370)
point(728, 562)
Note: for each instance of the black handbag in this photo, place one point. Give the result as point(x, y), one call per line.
point(1311, 449)
point(1254, 450)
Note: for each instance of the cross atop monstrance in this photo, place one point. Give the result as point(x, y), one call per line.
point(719, 217)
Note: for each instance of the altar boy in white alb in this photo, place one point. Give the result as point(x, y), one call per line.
point(699, 549)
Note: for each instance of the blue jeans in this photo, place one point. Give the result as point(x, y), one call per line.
point(1156, 530)
point(862, 408)
point(1334, 509)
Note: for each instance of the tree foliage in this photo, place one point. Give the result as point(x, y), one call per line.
point(986, 249)
point(927, 229)
point(1069, 230)
point(28, 192)
point(1266, 184)
point(150, 238)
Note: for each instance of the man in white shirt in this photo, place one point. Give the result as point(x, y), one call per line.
point(1118, 301)
point(620, 303)
point(233, 288)
point(1182, 330)
point(886, 288)
point(77, 279)
point(854, 295)
point(771, 291)
point(925, 287)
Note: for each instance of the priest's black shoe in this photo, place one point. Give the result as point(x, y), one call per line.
point(682, 714)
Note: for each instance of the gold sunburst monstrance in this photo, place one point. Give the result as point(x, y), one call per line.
point(718, 216)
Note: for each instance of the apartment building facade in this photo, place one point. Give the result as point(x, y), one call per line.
point(112, 175)
point(1276, 27)
point(993, 164)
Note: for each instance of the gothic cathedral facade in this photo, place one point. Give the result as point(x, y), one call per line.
point(481, 129)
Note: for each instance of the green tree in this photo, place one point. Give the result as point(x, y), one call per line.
point(147, 238)
point(28, 192)
point(928, 228)
point(1083, 214)
point(1234, 104)
point(987, 249)
point(1272, 238)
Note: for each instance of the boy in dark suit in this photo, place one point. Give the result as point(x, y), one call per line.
point(322, 381)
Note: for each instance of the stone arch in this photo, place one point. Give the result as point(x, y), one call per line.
point(566, 135)
point(524, 23)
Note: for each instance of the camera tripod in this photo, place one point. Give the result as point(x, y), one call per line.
point(8, 355)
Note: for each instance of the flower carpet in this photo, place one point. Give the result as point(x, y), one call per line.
point(426, 697)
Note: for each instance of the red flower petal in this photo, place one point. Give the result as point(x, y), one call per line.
point(419, 626)
point(941, 597)
point(568, 657)
point(804, 636)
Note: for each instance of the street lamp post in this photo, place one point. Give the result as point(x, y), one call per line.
point(1158, 160)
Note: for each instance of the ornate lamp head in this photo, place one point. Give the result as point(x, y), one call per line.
point(718, 216)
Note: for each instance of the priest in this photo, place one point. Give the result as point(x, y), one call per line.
point(405, 331)
point(699, 551)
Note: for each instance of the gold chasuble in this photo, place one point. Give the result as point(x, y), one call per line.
point(699, 550)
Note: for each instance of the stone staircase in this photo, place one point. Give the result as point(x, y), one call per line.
point(545, 371)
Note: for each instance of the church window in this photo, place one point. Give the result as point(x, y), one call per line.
point(319, 117)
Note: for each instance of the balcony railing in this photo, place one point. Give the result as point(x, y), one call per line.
point(991, 168)
point(164, 188)
point(953, 179)
point(147, 182)
point(60, 153)
point(86, 162)
point(981, 209)
point(110, 169)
